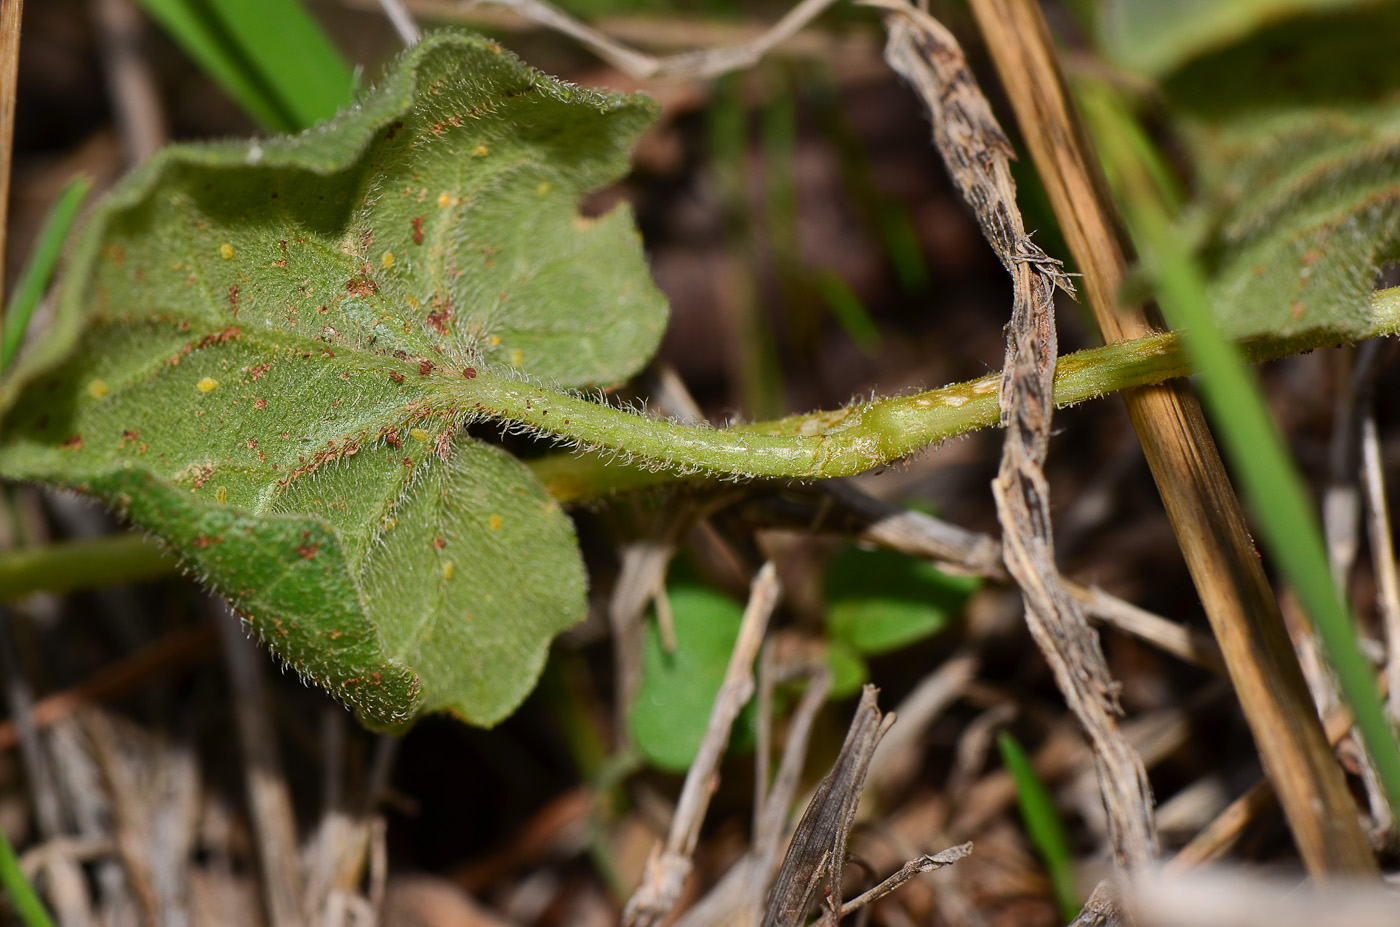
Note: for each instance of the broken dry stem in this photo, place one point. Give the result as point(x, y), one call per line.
point(1200, 502)
point(978, 158)
point(667, 869)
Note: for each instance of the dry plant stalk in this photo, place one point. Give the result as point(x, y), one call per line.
point(10, 15)
point(669, 865)
point(816, 857)
point(1200, 502)
point(978, 158)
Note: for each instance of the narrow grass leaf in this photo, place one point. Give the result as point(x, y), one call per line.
point(195, 28)
point(1271, 485)
point(21, 894)
point(1043, 824)
point(34, 278)
point(291, 53)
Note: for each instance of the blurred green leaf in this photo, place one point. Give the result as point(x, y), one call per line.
point(1153, 37)
point(678, 689)
point(270, 56)
point(1294, 135)
point(880, 600)
point(34, 278)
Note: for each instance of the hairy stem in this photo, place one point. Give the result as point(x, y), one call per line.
point(840, 442)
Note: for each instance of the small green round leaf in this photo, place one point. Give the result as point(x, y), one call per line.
point(879, 600)
point(678, 689)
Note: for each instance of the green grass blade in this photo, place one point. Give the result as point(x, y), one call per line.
point(1272, 487)
point(34, 279)
point(291, 53)
point(195, 28)
point(850, 313)
point(1043, 824)
point(23, 898)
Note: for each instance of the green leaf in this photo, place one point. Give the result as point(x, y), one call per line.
point(1043, 824)
point(880, 600)
point(1153, 37)
point(677, 692)
point(34, 278)
point(1295, 135)
point(261, 352)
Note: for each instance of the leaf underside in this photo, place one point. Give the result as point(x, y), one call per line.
point(1296, 137)
point(254, 340)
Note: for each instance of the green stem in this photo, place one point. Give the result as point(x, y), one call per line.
point(835, 443)
point(118, 558)
point(815, 446)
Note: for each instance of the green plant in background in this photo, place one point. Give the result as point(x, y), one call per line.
point(1296, 132)
point(678, 688)
point(266, 352)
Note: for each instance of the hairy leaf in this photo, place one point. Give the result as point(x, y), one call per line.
point(1296, 138)
point(262, 351)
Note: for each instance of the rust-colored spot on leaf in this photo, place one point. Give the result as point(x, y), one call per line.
point(469, 373)
point(73, 444)
point(439, 543)
point(361, 285)
point(425, 368)
point(257, 372)
point(307, 551)
point(260, 404)
point(395, 376)
point(408, 461)
point(417, 230)
point(233, 299)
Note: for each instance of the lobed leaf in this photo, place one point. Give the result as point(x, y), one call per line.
point(260, 354)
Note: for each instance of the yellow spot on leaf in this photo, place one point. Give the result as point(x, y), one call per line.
point(480, 151)
point(444, 200)
point(226, 251)
point(543, 188)
point(388, 260)
point(448, 569)
point(206, 385)
point(97, 389)
point(221, 494)
point(495, 522)
point(418, 433)
point(494, 340)
point(517, 357)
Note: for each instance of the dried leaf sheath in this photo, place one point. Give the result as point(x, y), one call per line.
point(977, 154)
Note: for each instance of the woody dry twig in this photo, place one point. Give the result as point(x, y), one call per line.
point(668, 867)
point(1201, 505)
point(978, 158)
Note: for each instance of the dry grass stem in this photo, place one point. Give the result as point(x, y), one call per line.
point(925, 863)
point(10, 15)
point(1223, 898)
point(1201, 505)
point(179, 648)
point(269, 800)
point(670, 864)
point(710, 62)
point(816, 857)
point(842, 509)
point(978, 157)
point(131, 82)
